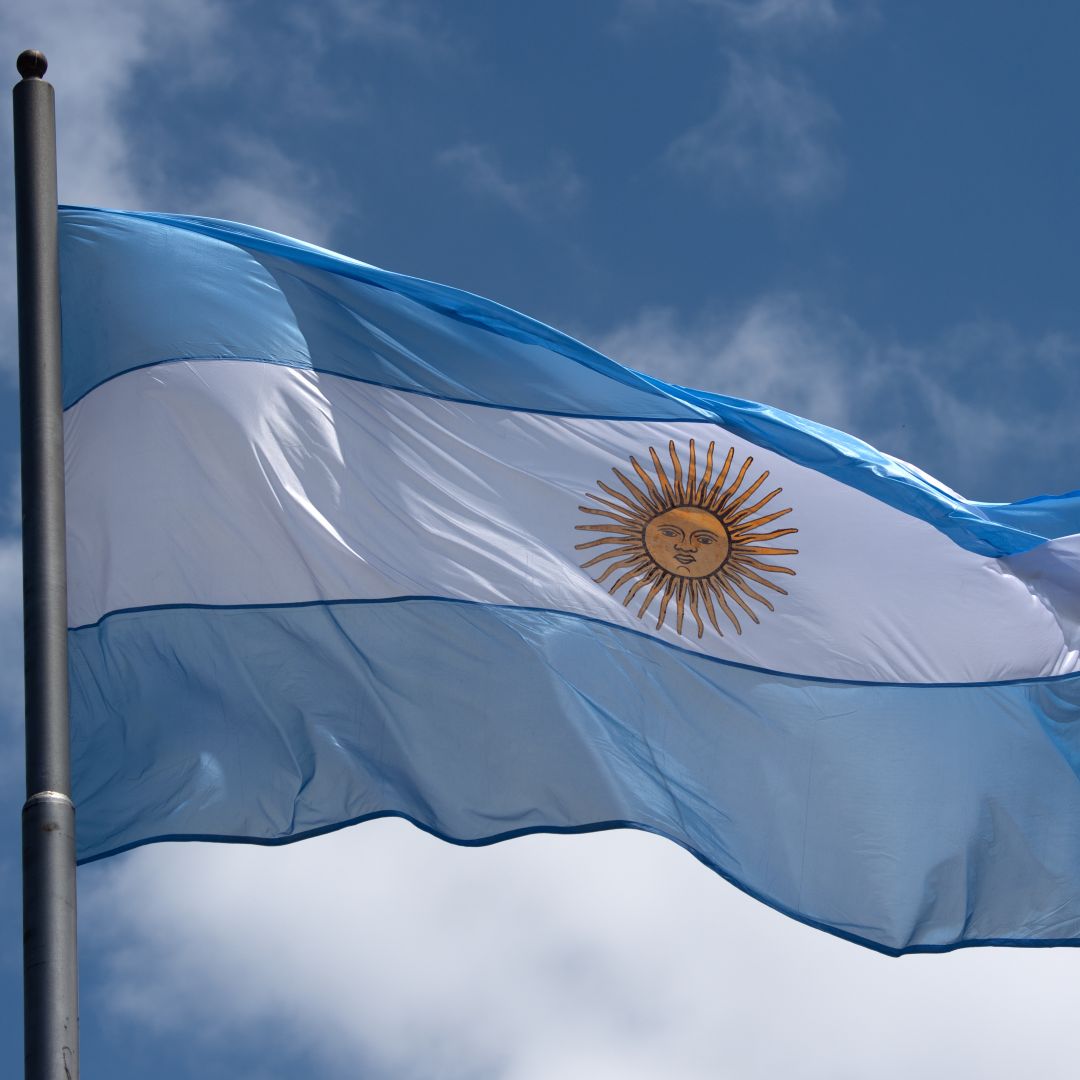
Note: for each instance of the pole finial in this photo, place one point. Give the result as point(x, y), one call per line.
point(32, 64)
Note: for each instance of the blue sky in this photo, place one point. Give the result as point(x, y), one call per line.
point(863, 212)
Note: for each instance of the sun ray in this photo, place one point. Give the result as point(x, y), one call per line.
point(600, 540)
point(634, 571)
point(746, 511)
point(651, 576)
point(699, 495)
point(607, 513)
point(730, 509)
point(620, 507)
point(749, 526)
point(766, 567)
point(747, 572)
point(733, 593)
point(654, 507)
point(737, 579)
point(694, 588)
point(631, 504)
point(709, 610)
point(610, 528)
point(631, 560)
point(613, 554)
point(665, 599)
point(661, 476)
point(757, 538)
point(688, 540)
point(676, 471)
point(721, 476)
point(717, 502)
point(661, 580)
point(722, 601)
point(659, 502)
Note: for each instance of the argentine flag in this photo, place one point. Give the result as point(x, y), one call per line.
point(345, 544)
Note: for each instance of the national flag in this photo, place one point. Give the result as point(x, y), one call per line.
point(344, 544)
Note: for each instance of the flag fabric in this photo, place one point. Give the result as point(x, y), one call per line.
point(345, 544)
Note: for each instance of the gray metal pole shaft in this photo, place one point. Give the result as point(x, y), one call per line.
point(50, 970)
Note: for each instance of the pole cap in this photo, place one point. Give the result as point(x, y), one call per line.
point(32, 64)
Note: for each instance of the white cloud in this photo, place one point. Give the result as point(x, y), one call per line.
point(611, 956)
point(98, 54)
point(396, 23)
point(95, 52)
point(764, 352)
point(554, 190)
point(764, 17)
point(982, 406)
point(770, 137)
point(773, 14)
point(759, 12)
point(264, 187)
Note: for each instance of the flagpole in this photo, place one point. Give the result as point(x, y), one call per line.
point(50, 968)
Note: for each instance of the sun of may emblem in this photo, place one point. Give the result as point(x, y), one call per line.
point(694, 544)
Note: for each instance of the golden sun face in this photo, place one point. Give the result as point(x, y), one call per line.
point(687, 542)
point(697, 543)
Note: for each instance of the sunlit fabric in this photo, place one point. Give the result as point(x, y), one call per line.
point(345, 544)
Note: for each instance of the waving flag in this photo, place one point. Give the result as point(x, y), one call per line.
point(346, 544)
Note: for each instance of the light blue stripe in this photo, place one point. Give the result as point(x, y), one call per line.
point(906, 819)
point(141, 289)
point(581, 618)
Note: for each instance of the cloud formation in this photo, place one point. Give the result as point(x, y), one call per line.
point(553, 191)
point(611, 956)
point(768, 15)
point(791, 20)
point(93, 55)
point(770, 137)
point(400, 26)
point(263, 186)
point(99, 56)
point(982, 407)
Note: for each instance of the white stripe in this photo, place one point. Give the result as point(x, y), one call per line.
point(243, 483)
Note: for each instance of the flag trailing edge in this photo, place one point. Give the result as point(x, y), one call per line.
point(344, 544)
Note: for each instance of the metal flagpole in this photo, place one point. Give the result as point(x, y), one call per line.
point(50, 970)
